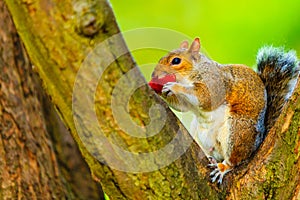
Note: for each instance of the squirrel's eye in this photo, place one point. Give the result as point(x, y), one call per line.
point(176, 61)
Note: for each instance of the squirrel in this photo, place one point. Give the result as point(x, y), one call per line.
point(233, 106)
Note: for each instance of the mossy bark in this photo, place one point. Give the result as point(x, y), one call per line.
point(58, 35)
point(31, 164)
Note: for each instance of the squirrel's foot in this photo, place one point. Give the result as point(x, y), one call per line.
point(220, 169)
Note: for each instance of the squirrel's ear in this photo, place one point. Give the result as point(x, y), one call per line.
point(195, 46)
point(184, 44)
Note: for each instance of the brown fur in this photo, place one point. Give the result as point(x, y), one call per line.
point(245, 91)
point(211, 87)
point(208, 85)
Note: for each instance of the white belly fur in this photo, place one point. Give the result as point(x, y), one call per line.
point(211, 128)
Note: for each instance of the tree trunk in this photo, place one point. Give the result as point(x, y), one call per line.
point(72, 44)
point(31, 165)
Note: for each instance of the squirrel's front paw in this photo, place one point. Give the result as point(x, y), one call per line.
point(168, 89)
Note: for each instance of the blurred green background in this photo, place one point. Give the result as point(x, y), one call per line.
point(230, 31)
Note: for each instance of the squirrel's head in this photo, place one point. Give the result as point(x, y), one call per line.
point(176, 65)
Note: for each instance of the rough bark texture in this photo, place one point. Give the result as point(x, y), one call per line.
point(32, 166)
point(59, 34)
point(28, 166)
point(71, 164)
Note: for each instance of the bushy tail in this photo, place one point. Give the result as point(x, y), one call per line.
point(279, 71)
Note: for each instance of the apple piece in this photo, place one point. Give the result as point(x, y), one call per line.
point(157, 83)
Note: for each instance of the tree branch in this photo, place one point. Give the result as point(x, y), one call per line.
point(30, 166)
point(58, 37)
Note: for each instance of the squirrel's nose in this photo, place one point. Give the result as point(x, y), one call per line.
point(159, 74)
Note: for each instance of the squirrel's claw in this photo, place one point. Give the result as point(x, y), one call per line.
point(219, 172)
point(167, 89)
point(216, 174)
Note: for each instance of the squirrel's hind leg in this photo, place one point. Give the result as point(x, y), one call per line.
point(220, 169)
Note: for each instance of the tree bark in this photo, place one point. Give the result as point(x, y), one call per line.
point(72, 166)
point(29, 168)
point(58, 37)
point(31, 165)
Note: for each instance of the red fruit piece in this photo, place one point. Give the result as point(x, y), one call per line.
point(157, 83)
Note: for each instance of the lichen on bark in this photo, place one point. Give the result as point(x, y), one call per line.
point(58, 40)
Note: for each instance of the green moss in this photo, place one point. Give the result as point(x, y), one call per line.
point(281, 172)
point(159, 185)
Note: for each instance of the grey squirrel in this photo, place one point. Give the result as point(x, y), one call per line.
point(233, 106)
